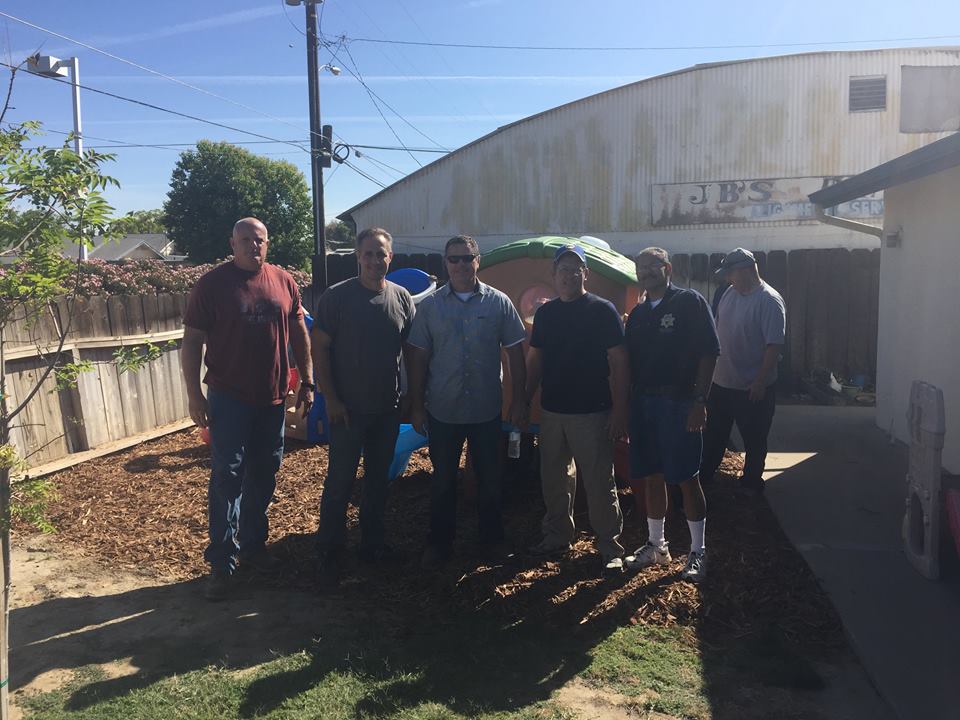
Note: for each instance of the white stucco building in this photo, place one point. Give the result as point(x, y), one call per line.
point(698, 160)
point(918, 336)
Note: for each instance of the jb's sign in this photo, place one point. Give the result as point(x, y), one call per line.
point(749, 201)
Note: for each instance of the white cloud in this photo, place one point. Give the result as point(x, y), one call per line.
point(104, 41)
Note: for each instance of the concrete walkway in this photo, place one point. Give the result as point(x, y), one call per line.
point(836, 484)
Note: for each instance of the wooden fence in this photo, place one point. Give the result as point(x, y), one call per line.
point(831, 296)
point(107, 404)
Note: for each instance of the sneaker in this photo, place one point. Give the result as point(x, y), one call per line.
point(648, 555)
point(218, 585)
point(696, 568)
point(434, 558)
point(612, 567)
point(545, 548)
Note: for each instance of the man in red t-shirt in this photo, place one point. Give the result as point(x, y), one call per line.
point(246, 312)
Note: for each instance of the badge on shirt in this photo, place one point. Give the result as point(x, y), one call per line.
point(666, 322)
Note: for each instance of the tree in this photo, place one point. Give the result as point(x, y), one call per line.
point(340, 236)
point(47, 194)
point(138, 222)
point(218, 183)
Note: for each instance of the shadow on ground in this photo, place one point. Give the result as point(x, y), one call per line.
point(476, 638)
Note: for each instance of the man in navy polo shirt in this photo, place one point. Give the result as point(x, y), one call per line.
point(577, 356)
point(673, 347)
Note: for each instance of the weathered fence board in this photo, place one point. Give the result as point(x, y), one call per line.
point(832, 299)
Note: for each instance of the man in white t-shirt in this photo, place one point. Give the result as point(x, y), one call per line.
point(751, 324)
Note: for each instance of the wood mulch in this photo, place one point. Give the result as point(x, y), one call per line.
point(145, 509)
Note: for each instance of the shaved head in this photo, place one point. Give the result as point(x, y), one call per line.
point(247, 222)
point(249, 243)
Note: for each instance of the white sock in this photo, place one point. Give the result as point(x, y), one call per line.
point(697, 530)
point(655, 528)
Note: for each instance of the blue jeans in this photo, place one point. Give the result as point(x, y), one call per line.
point(247, 444)
point(375, 436)
point(446, 445)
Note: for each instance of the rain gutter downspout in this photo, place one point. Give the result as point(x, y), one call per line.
point(847, 224)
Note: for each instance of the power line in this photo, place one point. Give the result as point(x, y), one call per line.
point(396, 148)
point(370, 95)
point(145, 104)
point(137, 65)
point(642, 48)
point(328, 45)
point(363, 174)
point(380, 163)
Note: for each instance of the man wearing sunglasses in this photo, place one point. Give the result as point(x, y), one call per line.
point(455, 388)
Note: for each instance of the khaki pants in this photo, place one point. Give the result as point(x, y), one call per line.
point(569, 443)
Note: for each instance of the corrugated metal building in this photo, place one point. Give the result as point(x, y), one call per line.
point(698, 160)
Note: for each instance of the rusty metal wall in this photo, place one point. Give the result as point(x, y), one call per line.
point(589, 167)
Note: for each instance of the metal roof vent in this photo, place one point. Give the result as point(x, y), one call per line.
point(868, 93)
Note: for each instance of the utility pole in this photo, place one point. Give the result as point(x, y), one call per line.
point(49, 66)
point(317, 156)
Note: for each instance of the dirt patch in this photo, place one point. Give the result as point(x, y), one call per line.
point(590, 703)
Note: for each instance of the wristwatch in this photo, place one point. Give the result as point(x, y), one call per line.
point(312, 386)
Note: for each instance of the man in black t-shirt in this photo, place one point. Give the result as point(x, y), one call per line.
point(578, 359)
point(673, 347)
point(358, 336)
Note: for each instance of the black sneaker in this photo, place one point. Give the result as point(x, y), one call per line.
point(218, 585)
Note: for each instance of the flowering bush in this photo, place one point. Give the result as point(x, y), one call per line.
point(142, 277)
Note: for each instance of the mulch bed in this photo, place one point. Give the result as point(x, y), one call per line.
point(145, 509)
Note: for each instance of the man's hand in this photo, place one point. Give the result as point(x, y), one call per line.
point(757, 390)
point(199, 411)
point(697, 418)
point(305, 398)
point(519, 415)
point(418, 418)
point(617, 424)
point(337, 412)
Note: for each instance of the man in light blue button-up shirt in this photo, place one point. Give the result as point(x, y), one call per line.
point(455, 387)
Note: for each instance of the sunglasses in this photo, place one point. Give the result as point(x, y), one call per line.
point(457, 259)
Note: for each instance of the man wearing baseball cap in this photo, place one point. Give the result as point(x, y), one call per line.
point(578, 359)
point(751, 324)
point(673, 347)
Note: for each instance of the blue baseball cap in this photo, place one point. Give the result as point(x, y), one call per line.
point(571, 248)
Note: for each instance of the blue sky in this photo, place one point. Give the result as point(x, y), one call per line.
point(253, 53)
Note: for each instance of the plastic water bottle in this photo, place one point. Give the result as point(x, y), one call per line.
point(513, 444)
